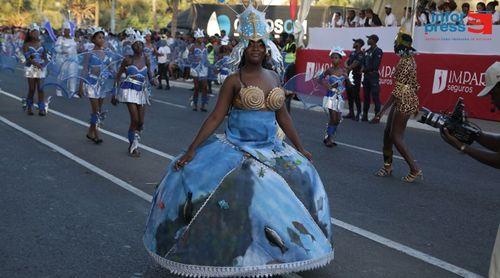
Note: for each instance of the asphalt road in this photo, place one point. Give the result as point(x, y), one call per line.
point(60, 219)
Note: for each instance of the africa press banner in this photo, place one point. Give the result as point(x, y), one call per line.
point(432, 39)
point(442, 77)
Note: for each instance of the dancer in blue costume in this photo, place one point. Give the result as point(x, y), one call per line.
point(199, 71)
point(93, 64)
point(134, 90)
point(244, 203)
point(34, 70)
point(335, 78)
point(150, 50)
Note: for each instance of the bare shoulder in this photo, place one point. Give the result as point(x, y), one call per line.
point(232, 79)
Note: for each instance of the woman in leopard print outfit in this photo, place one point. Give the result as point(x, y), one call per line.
point(403, 103)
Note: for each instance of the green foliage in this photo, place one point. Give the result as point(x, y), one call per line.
point(135, 13)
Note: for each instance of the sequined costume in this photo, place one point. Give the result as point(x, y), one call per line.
point(334, 99)
point(199, 66)
point(97, 63)
point(133, 89)
point(222, 222)
point(36, 55)
point(405, 90)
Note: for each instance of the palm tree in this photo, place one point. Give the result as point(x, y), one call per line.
point(81, 10)
point(107, 3)
point(175, 12)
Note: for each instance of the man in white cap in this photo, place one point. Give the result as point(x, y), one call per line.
point(491, 156)
point(390, 18)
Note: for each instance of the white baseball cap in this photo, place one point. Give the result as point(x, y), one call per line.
point(492, 78)
point(388, 6)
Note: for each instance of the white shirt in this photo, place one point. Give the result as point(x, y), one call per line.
point(354, 22)
point(361, 21)
point(224, 40)
point(423, 19)
point(496, 17)
point(390, 20)
point(165, 54)
point(338, 23)
point(170, 41)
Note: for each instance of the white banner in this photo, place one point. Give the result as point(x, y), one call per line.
point(425, 41)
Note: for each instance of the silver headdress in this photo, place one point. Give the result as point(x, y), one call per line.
point(95, 29)
point(199, 34)
point(337, 50)
point(147, 32)
point(253, 27)
point(34, 27)
point(137, 37)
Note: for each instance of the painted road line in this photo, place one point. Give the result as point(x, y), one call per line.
point(143, 195)
point(169, 103)
point(112, 134)
point(80, 161)
point(407, 250)
point(155, 151)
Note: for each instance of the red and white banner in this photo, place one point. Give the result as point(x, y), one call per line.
point(442, 77)
point(426, 39)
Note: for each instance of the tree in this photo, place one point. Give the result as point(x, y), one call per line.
point(81, 10)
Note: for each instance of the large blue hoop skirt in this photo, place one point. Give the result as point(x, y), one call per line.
point(247, 205)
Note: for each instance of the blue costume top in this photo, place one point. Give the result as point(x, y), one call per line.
point(37, 54)
point(224, 222)
point(135, 78)
point(96, 66)
point(332, 80)
point(200, 57)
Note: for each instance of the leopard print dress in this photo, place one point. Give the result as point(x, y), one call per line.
point(405, 90)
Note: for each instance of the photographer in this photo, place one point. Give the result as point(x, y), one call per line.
point(490, 142)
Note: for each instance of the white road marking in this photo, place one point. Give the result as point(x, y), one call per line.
point(407, 250)
point(112, 134)
point(169, 103)
point(80, 161)
point(155, 151)
point(379, 239)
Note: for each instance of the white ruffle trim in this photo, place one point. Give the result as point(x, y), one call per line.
point(242, 271)
point(335, 103)
point(133, 96)
point(34, 72)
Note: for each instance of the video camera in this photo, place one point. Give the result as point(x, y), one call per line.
point(456, 122)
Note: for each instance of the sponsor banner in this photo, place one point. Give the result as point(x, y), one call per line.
point(442, 77)
point(216, 17)
point(472, 40)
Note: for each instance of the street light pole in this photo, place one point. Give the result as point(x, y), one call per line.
point(112, 21)
point(155, 22)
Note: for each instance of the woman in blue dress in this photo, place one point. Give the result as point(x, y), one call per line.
point(335, 78)
point(244, 203)
point(34, 70)
point(134, 90)
point(94, 63)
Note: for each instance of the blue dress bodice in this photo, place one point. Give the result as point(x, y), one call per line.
point(334, 79)
point(136, 73)
point(251, 129)
point(37, 54)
